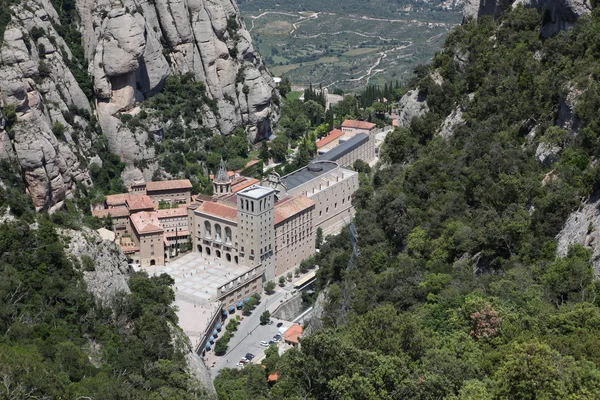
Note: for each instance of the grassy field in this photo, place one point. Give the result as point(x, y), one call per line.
point(360, 51)
point(340, 49)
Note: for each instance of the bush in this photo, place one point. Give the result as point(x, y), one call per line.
point(265, 317)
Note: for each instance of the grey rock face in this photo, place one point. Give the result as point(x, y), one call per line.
point(451, 122)
point(561, 13)
point(583, 227)
point(412, 104)
point(130, 47)
point(108, 273)
point(547, 153)
point(35, 79)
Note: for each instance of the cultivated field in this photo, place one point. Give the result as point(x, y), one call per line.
point(346, 51)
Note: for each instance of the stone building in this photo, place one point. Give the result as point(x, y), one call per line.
point(358, 147)
point(294, 232)
point(174, 192)
point(329, 186)
point(147, 236)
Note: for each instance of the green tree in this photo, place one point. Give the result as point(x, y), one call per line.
point(270, 287)
point(265, 317)
point(319, 238)
point(282, 281)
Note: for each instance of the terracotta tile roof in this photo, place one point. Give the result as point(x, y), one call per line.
point(334, 134)
point(146, 222)
point(219, 210)
point(252, 162)
point(242, 183)
point(273, 377)
point(352, 123)
point(291, 206)
point(116, 199)
point(130, 249)
point(172, 212)
point(139, 202)
point(112, 212)
point(168, 185)
point(293, 333)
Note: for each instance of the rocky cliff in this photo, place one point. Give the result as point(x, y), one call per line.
point(71, 71)
point(560, 13)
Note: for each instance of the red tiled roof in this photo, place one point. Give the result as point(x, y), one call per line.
point(111, 212)
point(130, 249)
point(220, 210)
point(293, 333)
point(172, 212)
point(138, 202)
point(352, 123)
point(146, 222)
point(291, 206)
point(273, 377)
point(117, 199)
point(252, 162)
point(242, 183)
point(168, 185)
point(334, 134)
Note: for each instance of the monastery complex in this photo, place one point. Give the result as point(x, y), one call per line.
point(249, 231)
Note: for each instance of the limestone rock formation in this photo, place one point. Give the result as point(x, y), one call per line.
point(452, 121)
point(412, 104)
point(561, 13)
point(583, 227)
point(40, 90)
point(105, 268)
point(129, 49)
point(547, 153)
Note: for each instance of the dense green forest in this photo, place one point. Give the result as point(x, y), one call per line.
point(457, 291)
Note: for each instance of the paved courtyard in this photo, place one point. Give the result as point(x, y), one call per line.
point(196, 282)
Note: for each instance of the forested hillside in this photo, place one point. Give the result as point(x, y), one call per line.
point(457, 291)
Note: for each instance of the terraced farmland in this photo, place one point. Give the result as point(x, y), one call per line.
point(346, 51)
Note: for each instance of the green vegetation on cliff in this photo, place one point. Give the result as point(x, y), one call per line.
point(457, 292)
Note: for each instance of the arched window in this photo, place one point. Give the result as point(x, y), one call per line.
point(236, 259)
point(228, 257)
point(207, 230)
point(252, 206)
point(247, 208)
point(227, 235)
point(207, 251)
point(218, 235)
point(218, 253)
point(199, 249)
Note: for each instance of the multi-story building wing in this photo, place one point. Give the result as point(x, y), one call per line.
point(294, 232)
point(256, 227)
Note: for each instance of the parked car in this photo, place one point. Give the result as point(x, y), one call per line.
point(264, 343)
point(244, 360)
point(279, 325)
point(270, 322)
point(249, 356)
point(271, 342)
point(240, 365)
point(278, 335)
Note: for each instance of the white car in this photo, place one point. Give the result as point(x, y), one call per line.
point(264, 343)
point(240, 365)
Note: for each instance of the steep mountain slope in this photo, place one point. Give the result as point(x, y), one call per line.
point(461, 289)
point(73, 73)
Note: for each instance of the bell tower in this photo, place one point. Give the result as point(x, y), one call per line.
point(222, 181)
